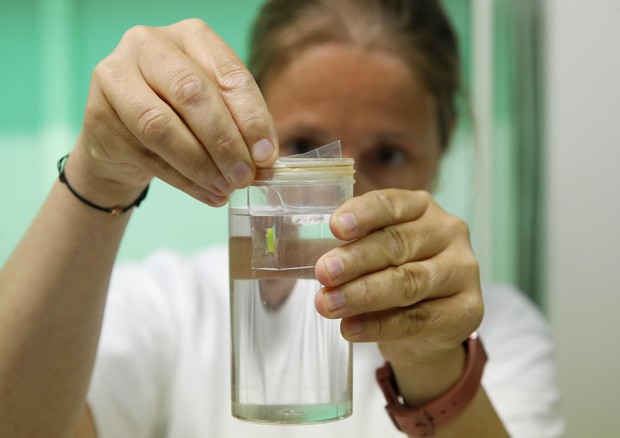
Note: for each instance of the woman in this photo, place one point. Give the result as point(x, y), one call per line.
point(177, 104)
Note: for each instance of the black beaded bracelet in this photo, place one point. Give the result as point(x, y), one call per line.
point(114, 211)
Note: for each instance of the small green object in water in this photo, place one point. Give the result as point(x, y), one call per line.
point(270, 240)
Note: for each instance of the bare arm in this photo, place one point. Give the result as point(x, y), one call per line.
point(52, 295)
point(157, 107)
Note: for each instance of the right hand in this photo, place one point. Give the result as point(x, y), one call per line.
point(174, 103)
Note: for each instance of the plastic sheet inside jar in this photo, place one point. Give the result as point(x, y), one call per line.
point(290, 205)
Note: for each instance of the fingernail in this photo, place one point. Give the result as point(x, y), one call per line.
point(223, 186)
point(217, 199)
point(334, 266)
point(347, 222)
point(354, 327)
point(334, 300)
point(240, 173)
point(263, 150)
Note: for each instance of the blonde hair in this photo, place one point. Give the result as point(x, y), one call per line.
point(417, 30)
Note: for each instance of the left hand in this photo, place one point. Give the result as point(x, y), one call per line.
point(408, 278)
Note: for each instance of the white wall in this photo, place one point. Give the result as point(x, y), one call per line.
point(583, 216)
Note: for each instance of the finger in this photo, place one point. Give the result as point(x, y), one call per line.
point(377, 209)
point(162, 170)
point(442, 322)
point(103, 122)
point(159, 129)
point(176, 78)
point(236, 85)
point(401, 286)
point(393, 245)
point(212, 137)
point(394, 287)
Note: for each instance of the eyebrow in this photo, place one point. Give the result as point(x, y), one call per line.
point(305, 129)
point(391, 136)
point(323, 136)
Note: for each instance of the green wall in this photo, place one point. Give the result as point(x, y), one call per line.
point(49, 49)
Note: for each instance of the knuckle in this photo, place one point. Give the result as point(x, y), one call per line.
point(472, 310)
point(364, 293)
point(153, 123)
point(255, 121)
point(187, 88)
point(458, 225)
point(397, 243)
point(474, 301)
point(465, 263)
point(137, 35)
point(105, 70)
point(415, 318)
point(472, 265)
point(410, 278)
point(223, 141)
point(194, 23)
point(204, 175)
point(101, 70)
point(378, 328)
point(478, 314)
point(471, 261)
point(355, 251)
point(388, 201)
point(424, 198)
point(233, 77)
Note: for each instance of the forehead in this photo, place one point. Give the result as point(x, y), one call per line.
point(343, 85)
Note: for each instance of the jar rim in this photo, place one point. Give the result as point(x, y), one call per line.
point(300, 162)
point(310, 169)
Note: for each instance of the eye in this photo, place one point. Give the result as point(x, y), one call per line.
point(388, 156)
point(298, 146)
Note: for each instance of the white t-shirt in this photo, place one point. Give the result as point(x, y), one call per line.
point(163, 367)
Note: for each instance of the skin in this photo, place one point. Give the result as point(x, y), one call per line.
point(159, 107)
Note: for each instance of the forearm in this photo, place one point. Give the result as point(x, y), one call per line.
point(52, 296)
point(422, 383)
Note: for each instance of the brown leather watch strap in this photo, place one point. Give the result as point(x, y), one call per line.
point(423, 420)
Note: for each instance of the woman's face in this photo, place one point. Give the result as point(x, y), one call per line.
point(371, 101)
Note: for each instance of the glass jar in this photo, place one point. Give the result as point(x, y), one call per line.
point(290, 365)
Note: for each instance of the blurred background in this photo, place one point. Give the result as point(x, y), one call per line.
point(531, 169)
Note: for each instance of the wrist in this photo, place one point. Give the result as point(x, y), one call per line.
point(89, 179)
point(422, 420)
point(422, 380)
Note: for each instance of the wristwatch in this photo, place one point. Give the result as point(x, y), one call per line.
point(423, 420)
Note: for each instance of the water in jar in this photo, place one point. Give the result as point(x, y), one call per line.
point(290, 365)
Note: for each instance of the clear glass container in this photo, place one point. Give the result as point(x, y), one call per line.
point(290, 365)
